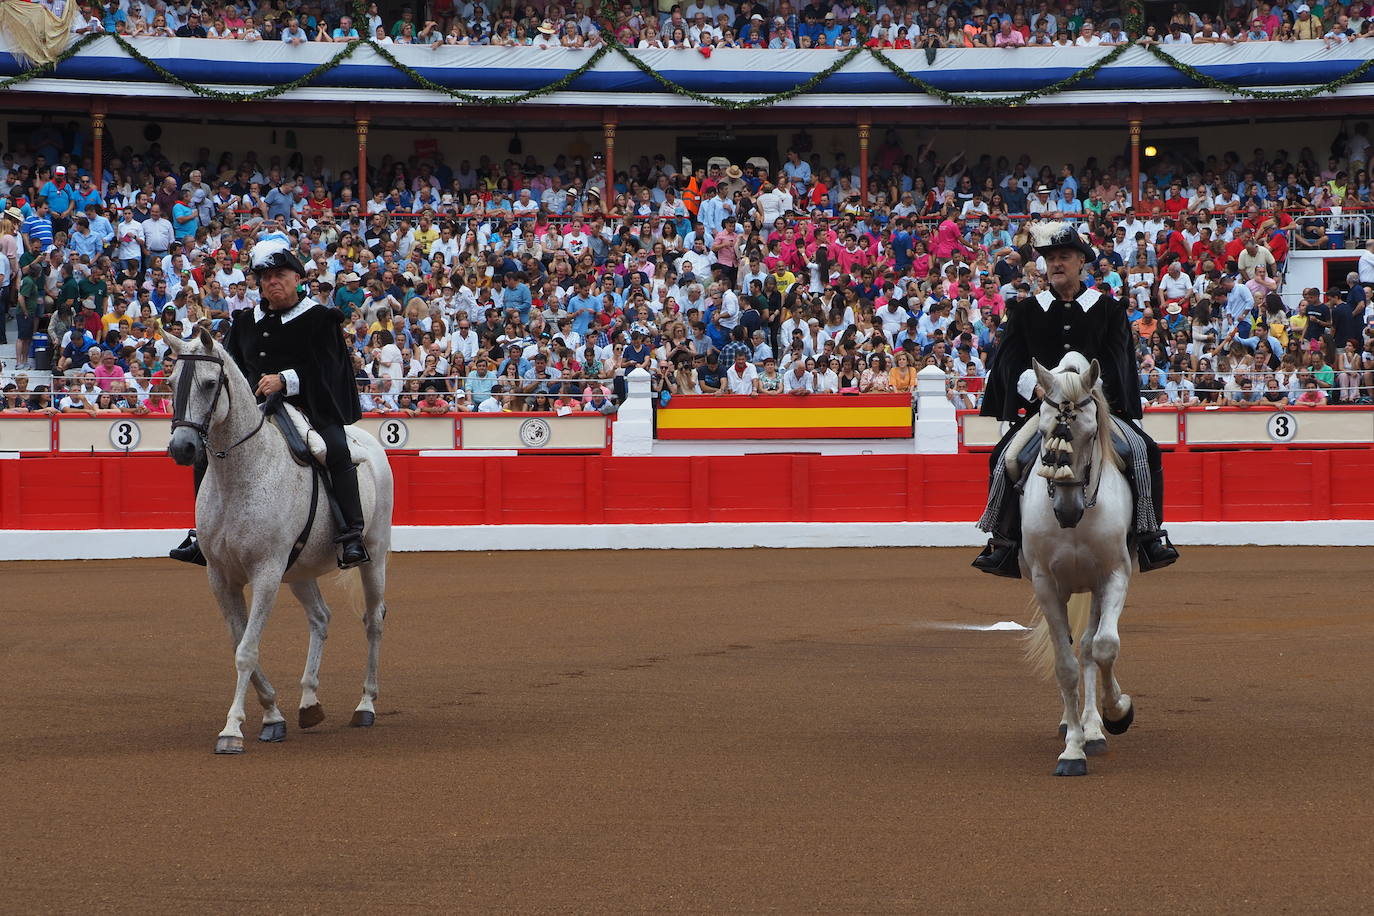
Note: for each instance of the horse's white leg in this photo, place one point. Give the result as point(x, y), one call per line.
point(235, 612)
point(1106, 646)
point(1094, 742)
point(1054, 605)
point(317, 615)
point(374, 594)
point(265, 588)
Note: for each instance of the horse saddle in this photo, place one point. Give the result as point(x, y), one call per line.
point(1024, 448)
point(306, 445)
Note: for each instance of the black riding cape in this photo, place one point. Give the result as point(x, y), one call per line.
point(1047, 327)
point(308, 340)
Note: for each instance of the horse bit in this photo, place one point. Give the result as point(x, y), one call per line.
point(183, 395)
point(1058, 453)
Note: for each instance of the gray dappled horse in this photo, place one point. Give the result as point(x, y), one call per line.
point(250, 512)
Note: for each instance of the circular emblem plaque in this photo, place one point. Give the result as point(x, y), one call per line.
point(125, 435)
point(393, 433)
point(1282, 427)
point(535, 432)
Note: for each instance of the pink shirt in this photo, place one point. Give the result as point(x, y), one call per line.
point(103, 375)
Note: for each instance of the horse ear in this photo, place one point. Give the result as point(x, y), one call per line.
point(174, 343)
point(1094, 374)
point(206, 340)
point(1043, 376)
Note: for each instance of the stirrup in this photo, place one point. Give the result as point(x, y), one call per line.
point(188, 551)
point(1001, 557)
point(1155, 551)
point(352, 552)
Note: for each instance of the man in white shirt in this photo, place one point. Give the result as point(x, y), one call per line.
point(228, 273)
point(1366, 263)
point(798, 381)
point(464, 340)
point(742, 377)
point(158, 234)
point(129, 237)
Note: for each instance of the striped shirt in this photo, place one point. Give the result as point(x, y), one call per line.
point(38, 227)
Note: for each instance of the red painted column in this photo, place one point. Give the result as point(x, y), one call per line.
point(608, 201)
point(1135, 127)
point(362, 163)
point(864, 130)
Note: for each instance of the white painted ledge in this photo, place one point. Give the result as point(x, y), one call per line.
point(119, 544)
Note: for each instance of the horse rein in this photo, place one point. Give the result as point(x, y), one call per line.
point(1065, 412)
point(183, 395)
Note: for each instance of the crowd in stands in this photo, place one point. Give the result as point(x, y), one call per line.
point(511, 285)
point(774, 24)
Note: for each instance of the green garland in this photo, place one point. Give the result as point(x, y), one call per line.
point(733, 104)
point(613, 43)
point(1005, 101)
point(425, 82)
point(220, 95)
point(1295, 95)
point(43, 69)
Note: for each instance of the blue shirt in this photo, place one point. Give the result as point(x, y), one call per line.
point(84, 200)
point(583, 320)
point(87, 243)
point(518, 297)
point(39, 227)
point(187, 229)
point(59, 199)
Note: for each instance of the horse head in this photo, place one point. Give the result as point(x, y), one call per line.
point(201, 400)
point(1075, 434)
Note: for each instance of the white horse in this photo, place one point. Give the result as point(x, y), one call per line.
point(1075, 552)
point(251, 510)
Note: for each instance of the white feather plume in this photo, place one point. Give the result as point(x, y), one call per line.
point(264, 251)
point(1043, 233)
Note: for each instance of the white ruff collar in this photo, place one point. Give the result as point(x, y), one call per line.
point(296, 311)
point(1087, 298)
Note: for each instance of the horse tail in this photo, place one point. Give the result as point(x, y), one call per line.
point(1039, 646)
point(348, 585)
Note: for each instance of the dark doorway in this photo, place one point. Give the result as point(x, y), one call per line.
point(736, 148)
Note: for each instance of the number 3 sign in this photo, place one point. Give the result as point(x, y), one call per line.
point(393, 433)
point(125, 435)
point(1282, 427)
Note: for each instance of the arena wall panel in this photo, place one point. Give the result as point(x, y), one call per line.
point(138, 491)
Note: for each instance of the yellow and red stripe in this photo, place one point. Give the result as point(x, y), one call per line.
point(817, 416)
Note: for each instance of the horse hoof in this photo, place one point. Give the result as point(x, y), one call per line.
point(272, 732)
point(1120, 725)
point(311, 716)
point(1063, 731)
point(229, 744)
point(1096, 747)
point(1077, 767)
point(362, 718)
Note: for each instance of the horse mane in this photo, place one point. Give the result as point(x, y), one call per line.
point(1072, 377)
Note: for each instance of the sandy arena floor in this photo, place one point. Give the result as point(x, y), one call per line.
point(703, 731)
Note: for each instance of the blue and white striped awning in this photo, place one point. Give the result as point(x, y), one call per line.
point(104, 68)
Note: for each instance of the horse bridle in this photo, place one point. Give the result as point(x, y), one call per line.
point(1065, 412)
point(182, 396)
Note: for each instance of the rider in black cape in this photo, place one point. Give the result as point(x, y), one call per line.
point(290, 343)
point(1066, 316)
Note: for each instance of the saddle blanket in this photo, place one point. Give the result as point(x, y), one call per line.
point(315, 444)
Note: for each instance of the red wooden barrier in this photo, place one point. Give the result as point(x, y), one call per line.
point(149, 491)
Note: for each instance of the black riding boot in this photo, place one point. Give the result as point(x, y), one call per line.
point(344, 485)
point(1002, 555)
point(1154, 550)
point(188, 551)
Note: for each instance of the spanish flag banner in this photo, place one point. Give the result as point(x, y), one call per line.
point(783, 416)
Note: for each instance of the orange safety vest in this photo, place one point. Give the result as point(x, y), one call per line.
point(691, 198)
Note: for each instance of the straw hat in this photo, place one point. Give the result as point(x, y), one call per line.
point(547, 28)
point(734, 172)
